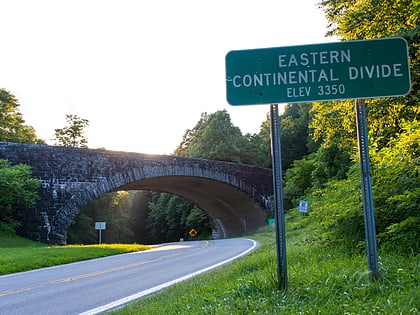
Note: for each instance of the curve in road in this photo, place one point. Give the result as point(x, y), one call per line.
point(98, 285)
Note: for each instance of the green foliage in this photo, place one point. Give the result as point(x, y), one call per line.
point(18, 190)
point(215, 138)
point(167, 218)
point(260, 145)
point(82, 230)
point(295, 138)
point(72, 135)
point(396, 186)
point(198, 220)
point(338, 209)
point(396, 191)
point(331, 163)
point(298, 179)
point(258, 148)
point(335, 194)
point(172, 217)
point(12, 127)
point(294, 133)
point(370, 18)
point(120, 210)
point(333, 125)
point(402, 237)
point(313, 172)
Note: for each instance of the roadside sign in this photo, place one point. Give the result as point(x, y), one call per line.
point(318, 72)
point(303, 206)
point(192, 232)
point(100, 225)
point(322, 72)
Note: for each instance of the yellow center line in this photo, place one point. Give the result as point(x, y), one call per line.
point(99, 272)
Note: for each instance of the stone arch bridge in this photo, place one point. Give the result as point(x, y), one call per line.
point(233, 195)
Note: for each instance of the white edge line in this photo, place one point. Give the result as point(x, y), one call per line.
point(162, 286)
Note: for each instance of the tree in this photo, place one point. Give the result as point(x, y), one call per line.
point(198, 220)
point(190, 136)
point(294, 133)
point(172, 217)
point(333, 122)
point(120, 212)
point(72, 135)
point(214, 137)
point(260, 145)
point(396, 191)
point(298, 180)
point(82, 230)
point(368, 19)
point(396, 187)
point(393, 133)
point(12, 127)
point(258, 149)
point(18, 190)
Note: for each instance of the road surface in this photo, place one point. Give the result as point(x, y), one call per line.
point(97, 285)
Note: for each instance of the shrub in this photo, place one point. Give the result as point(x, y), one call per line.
point(17, 190)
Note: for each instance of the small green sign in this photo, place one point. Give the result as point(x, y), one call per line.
point(331, 71)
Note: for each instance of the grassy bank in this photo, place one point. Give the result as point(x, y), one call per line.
point(322, 280)
point(19, 254)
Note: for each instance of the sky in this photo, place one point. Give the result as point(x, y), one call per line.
point(141, 72)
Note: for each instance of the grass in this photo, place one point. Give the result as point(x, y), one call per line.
point(322, 280)
point(18, 254)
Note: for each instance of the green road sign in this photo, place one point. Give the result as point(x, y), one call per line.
point(331, 71)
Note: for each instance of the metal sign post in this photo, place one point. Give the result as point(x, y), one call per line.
point(278, 196)
point(370, 228)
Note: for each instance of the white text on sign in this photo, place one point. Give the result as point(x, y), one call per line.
point(311, 76)
point(320, 72)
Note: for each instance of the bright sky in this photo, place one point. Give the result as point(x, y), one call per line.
point(141, 72)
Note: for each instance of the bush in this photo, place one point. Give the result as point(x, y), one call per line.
point(402, 237)
point(18, 190)
point(339, 210)
point(298, 180)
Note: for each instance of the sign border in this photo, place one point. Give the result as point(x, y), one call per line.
point(408, 84)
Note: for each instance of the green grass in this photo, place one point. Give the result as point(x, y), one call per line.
point(322, 280)
point(18, 254)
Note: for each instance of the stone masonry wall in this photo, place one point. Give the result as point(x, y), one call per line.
point(71, 177)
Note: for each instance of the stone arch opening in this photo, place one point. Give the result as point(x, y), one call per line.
point(232, 210)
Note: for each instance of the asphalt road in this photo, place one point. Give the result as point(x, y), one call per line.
point(95, 286)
